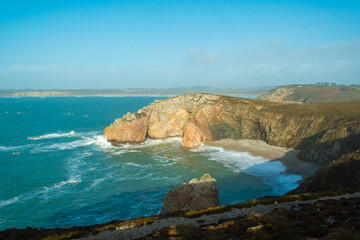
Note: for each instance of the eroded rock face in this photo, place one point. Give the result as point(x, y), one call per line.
point(192, 137)
point(197, 194)
point(278, 94)
point(164, 123)
point(131, 128)
point(322, 131)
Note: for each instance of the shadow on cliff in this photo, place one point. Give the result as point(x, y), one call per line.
point(313, 150)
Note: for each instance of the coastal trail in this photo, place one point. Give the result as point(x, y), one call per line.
point(138, 232)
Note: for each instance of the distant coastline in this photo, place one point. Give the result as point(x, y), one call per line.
point(166, 92)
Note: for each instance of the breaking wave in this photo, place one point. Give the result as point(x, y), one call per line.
point(52, 135)
point(152, 142)
point(273, 173)
point(40, 192)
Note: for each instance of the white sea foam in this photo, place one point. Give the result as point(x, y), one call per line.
point(133, 164)
point(62, 146)
point(9, 148)
point(98, 140)
point(101, 141)
point(53, 135)
point(97, 182)
point(43, 191)
point(4, 203)
point(152, 142)
point(62, 183)
point(272, 172)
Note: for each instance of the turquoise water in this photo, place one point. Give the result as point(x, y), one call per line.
point(70, 175)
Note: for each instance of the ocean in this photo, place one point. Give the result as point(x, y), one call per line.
point(58, 170)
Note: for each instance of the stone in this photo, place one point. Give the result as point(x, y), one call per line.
point(130, 129)
point(192, 137)
point(197, 194)
point(164, 124)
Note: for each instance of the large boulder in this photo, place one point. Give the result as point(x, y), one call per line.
point(197, 194)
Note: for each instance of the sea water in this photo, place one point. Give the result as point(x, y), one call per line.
point(58, 170)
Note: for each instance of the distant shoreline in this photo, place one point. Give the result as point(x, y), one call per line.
point(128, 92)
point(137, 95)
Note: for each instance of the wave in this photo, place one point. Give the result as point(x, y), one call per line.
point(101, 141)
point(53, 135)
point(9, 148)
point(273, 173)
point(37, 192)
point(62, 146)
point(152, 142)
point(98, 140)
point(9, 201)
point(62, 183)
point(134, 164)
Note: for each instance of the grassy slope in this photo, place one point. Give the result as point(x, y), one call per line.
point(323, 94)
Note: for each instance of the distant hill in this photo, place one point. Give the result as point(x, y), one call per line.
point(132, 92)
point(321, 92)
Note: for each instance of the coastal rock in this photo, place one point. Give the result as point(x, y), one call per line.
point(131, 128)
point(197, 194)
point(192, 137)
point(321, 131)
point(278, 94)
point(164, 123)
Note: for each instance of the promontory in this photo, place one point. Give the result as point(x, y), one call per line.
point(321, 131)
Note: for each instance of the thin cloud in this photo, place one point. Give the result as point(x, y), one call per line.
point(196, 55)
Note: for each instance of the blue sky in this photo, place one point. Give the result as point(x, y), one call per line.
point(133, 44)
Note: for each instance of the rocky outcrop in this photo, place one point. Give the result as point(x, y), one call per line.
point(278, 94)
point(131, 128)
point(199, 118)
point(197, 194)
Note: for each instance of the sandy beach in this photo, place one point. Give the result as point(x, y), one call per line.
point(260, 148)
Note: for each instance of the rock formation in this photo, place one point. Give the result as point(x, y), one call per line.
point(197, 194)
point(334, 128)
point(278, 94)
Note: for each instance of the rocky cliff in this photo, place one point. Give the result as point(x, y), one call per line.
point(343, 173)
point(322, 131)
point(197, 194)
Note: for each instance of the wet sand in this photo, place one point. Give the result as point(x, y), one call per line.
point(260, 148)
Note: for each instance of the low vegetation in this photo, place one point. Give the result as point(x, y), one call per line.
point(319, 92)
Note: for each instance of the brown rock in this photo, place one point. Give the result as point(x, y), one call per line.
point(131, 128)
point(197, 194)
point(164, 124)
point(192, 137)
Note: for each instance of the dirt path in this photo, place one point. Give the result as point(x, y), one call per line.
point(133, 233)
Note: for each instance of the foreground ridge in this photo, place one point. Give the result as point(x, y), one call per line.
point(134, 233)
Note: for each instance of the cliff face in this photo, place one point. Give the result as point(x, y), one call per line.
point(323, 131)
point(342, 173)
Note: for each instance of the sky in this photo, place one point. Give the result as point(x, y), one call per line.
point(89, 44)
